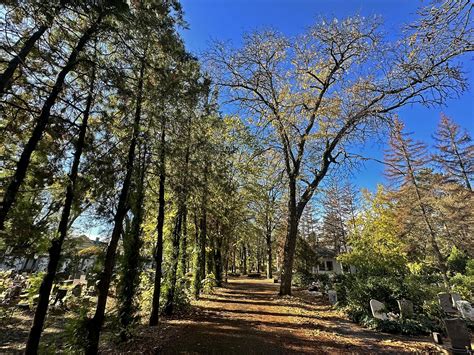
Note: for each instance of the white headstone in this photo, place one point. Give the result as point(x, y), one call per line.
point(465, 309)
point(378, 309)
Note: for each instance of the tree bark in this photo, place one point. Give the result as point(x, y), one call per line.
point(174, 264)
point(218, 255)
point(184, 244)
point(268, 239)
point(95, 324)
point(244, 260)
point(57, 243)
point(290, 241)
point(6, 78)
point(153, 321)
point(41, 123)
point(131, 244)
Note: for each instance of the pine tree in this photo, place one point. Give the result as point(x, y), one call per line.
point(405, 162)
point(455, 151)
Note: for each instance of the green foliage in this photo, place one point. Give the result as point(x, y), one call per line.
point(303, 278)
point(399, 326)
point(209, 283)
point(182, 296)
point(376, 248)
point(34, 283)
point(76, 329)
point(457, 261)
point(384, 273)
point(464, 285)
point(5, 282)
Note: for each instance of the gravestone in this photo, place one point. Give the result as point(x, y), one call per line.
point(77, 290)
point(438, 339)
point(406, 308)
point(332, 296)
point(378, 309)
point(60, 296)
point(465, 309)
point(458, 335)
point(454, 298)
point(446, 303)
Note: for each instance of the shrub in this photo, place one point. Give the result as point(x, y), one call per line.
point(34, 283)
point(464, 285)
point(209, 283)
point(457, 261)
point(76, 330)
point(400, 326)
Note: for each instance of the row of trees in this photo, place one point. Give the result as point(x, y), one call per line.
point(313, 96)
point(108, 121)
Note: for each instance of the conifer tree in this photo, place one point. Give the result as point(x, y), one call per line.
point(455, 151)
point(405, 162)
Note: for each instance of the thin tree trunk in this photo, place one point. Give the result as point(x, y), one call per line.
point(269, 252)
point(95, 324)
point(461, 165)
point(6, 78)
point(131, 245)
point(184, 243)
point(178, 230)
point(433, 242)
point(153, 321)
point(174, 264)
point(244, 258)
point(218, 255)
point(57, 243)
point(41, 123)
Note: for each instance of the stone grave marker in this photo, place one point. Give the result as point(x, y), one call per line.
point(437, 338)
point(454, 298)
point(446, 303)
point(332, 296)
point(406, 308)
point(458, 335)
point(465, 309)
point(378, 309)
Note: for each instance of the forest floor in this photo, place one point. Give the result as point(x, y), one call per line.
point(247, 317)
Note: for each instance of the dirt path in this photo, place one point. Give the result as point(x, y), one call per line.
point(247, 317)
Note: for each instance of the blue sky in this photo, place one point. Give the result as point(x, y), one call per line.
point(229, 19)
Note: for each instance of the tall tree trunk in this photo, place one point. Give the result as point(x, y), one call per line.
point(244, 259)
point(57, 243)
point(184, 244)
point(178, 230)
point(132, 244)
point(95, 324)
point(290, 241)
point(200, 260)
point(268, 239)
point(41, 123)
point(160, 222)
point(174, 264)
point(218, 239)
point(234, 269)
point(197, 261)
point(6, 78)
